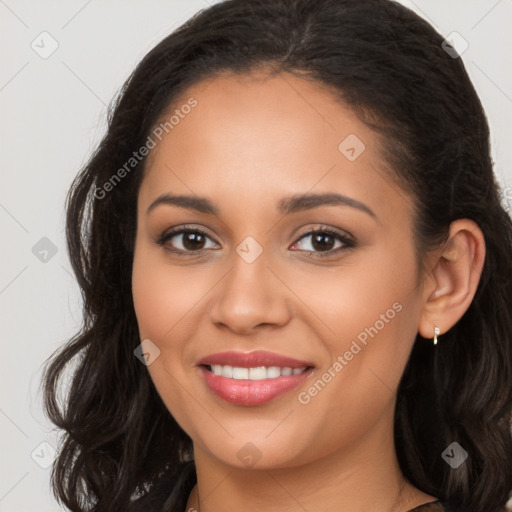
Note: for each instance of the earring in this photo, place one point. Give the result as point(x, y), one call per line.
point(436, 333)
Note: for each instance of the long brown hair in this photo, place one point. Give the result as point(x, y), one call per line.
point(387, 64)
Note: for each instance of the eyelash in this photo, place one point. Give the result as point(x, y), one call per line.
point(346, 241)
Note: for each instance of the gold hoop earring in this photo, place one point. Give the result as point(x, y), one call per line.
point(436, 333)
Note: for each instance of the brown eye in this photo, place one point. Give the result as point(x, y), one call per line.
point(185, 240)
point(193, 241)
point(323, 242)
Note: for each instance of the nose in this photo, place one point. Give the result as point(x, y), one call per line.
point(249, 297)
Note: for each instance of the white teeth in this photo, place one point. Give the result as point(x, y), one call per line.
point(258, 373)
point(240, 373)
point(227, 371)
point(273, 371)
point(217, 369)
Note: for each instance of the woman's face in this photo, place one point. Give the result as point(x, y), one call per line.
point(344, 304)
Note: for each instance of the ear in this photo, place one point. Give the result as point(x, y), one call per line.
point(455, 272)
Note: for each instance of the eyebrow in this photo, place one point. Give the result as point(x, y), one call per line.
point(308, 201)
point(286, 206)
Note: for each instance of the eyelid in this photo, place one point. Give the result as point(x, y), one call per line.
point(347, 240)
point(179, 229)
point(327, 229)
point(172, 232)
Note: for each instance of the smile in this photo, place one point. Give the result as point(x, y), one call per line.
point(252, 378)
point(256, 373)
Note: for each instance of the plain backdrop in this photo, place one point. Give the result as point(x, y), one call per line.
point(52, 109)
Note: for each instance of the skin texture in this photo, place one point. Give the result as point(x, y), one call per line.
point(248, 143)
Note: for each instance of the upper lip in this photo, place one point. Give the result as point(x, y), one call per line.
point(253, 360)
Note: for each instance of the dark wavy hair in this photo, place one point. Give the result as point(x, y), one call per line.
point(121, 448)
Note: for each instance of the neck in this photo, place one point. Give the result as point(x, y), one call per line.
point(361, 477)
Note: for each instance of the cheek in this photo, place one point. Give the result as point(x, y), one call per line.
point(162, 298)
point(372, 310)
point(151, 291)
point(353, 296)
point(162, 294)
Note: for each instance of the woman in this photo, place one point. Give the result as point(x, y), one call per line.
point(296, 274)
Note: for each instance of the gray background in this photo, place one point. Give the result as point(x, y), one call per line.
point(53, 113)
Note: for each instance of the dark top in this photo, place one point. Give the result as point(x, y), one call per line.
point(171, 495)
point(433, 506)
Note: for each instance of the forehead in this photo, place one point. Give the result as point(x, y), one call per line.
point(258, 137)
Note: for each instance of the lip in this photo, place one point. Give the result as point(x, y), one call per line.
point(247, 392)
point(253, 359)
point(252, 392)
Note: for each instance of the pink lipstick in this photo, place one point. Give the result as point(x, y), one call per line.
point(252, 378)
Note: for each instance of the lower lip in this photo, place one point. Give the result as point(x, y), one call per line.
point(252, 392)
